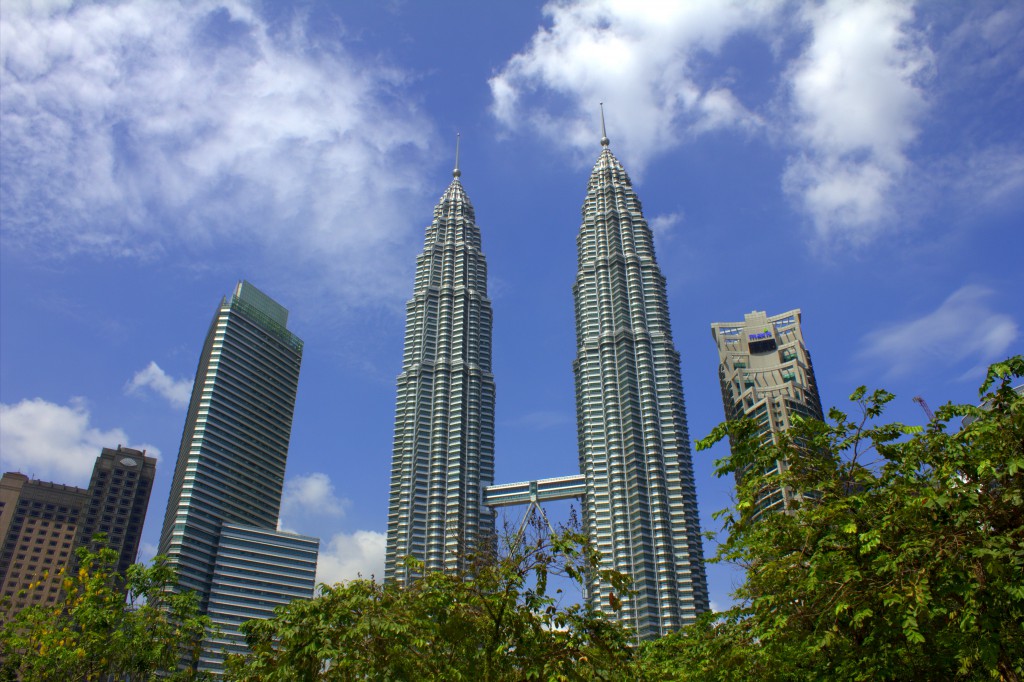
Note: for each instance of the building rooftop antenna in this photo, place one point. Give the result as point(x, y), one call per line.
point(604, 134)
point(456, 173)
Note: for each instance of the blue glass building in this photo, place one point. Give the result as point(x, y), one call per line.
point(229, 476)
point(256, 570)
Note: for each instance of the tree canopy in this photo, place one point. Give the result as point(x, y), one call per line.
point(131, 627)
point(497, 621)
point(905, 562)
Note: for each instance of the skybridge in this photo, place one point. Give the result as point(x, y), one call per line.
point(535, 492)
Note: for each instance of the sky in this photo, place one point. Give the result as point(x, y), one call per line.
point(861, 161)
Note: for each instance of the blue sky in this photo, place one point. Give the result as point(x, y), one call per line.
point(862, 161)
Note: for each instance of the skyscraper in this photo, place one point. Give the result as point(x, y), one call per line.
point(444, 419)
point(42, 523)
point(231, 463)
point(640, 508)
point(766, 375)
point(119, 490)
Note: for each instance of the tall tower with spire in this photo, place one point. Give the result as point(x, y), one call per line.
point(640, 508)
point(444, 420)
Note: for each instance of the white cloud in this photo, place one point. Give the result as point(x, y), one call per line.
point(176, 391)
point(857, 96)
point(637, 57)
point(848, 107)
point(56, 442)
point(351, 555)
point(663, 225)
point(308, 501)
point(963, 329)
point(139, 128)
point(312, 494)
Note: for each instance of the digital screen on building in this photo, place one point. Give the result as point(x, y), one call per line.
point(763, 346)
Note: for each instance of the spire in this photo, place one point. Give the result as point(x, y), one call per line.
point(604, 134)
point(456, 173)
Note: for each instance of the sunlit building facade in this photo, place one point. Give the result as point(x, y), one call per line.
point(767, 375)
point(43, 523)
point(443, 454)
point(640, 507)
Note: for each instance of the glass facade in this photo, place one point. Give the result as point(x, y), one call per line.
point(231, 463)
point(256, 570)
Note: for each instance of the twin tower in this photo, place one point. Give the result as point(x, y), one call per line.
point(636, 474)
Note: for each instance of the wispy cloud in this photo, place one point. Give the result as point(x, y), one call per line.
point(989, 177)
point(147, 550)
point(964, 329)
point(347, 556)
point(176, 391)
point(311, 494)
point(138, 128)
point(56, 442)
point(663, 225)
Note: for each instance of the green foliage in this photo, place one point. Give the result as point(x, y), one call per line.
point(131, 627)
point(907, 562)
point(498, 621)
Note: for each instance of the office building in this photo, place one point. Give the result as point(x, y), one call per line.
point(119, 490)
point(767, 375)
point(38, 524)
point(640, 506)
point(256, 570)
point(230, 470)
point(42, 523)
point(443, 453)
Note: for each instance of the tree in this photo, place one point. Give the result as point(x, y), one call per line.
point(498, 621)
point(131, 627)
point(907, 564)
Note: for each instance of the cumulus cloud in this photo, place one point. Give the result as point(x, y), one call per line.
point(311, 499)
point(312, 494)
point(963, 329)
point(136, 128)
point(857, 95)
point(56, 442)
point(637, 57)
point(176, 391)
point(351, 555)
point(847, 107)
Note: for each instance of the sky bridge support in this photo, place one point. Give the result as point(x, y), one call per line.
point(533, 493)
